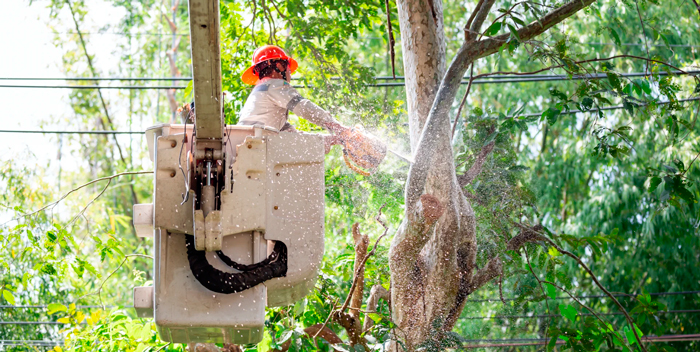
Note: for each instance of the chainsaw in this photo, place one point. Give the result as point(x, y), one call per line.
point(363, 152)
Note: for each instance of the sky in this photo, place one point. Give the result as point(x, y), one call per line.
point(29, 37)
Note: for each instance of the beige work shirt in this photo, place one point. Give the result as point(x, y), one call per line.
point(270, 102)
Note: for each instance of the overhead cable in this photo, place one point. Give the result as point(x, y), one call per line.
point(89, 87)
point(70, 132)
point(537, 316)
point(495, 79)
point(605, 108)
point(630, 295)
point(95, 78)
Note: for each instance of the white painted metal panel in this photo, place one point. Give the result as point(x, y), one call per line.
point(206, 68)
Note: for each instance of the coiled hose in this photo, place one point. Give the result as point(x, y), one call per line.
point(275, 265)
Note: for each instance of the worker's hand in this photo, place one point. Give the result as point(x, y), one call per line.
point(336, 128)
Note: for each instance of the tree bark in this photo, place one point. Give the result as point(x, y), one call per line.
point(423, 44)
point(433, 254)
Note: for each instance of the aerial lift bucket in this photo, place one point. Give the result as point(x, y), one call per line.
point(270, 187)
point(220, 194)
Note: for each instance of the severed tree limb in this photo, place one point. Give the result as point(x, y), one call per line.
point(361, 245)
point(378, 292)
point(351, 321)
point(475, 169)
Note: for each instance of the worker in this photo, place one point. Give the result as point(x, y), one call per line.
point(273, 97)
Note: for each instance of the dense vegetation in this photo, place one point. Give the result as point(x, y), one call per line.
point(615, 187)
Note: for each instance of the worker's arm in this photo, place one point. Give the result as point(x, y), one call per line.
point(286, 96)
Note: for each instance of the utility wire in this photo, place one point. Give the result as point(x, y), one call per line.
point(95, 78)
point(606, 108)
point(487, 317)
point(90, 87)
point(630, 295)
point(484, 80)
point(70, 132)
point(537, 316)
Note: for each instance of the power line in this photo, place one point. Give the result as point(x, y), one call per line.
point(630, 295)
point(70, 132)
point(90, 87)
point(95, 78)
point(606, 108)
point(537, 316)
point(496, 79)
point(534, 316)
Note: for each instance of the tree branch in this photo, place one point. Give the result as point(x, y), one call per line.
point(378, 292)
point(597, 283)
point(438, 122)
point(475, 170)
point(481, 13)
point(697, 5)
point(78, 188)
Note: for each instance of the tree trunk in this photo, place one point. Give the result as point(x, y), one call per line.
point(433, 254)
point(423, 43)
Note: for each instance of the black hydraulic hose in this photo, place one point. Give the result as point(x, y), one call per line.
point(222, 282)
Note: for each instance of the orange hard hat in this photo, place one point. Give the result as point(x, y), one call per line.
point(265, 53)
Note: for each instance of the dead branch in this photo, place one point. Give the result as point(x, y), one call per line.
point(313, 331)
point(78, 188)
point(339, 314)
point(361, 245)
point(697, 5)
point(600, 286)
point(378, 292)
point(392, 43)
point(109, 124)
point(475, 169)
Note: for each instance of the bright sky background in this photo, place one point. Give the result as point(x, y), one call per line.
point(29, 51)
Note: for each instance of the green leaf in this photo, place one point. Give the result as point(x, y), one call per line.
point(616, 37)
point(551, 290)
point(568, 312)
point(630, 336)
point(376, 317)
point(493, 29)
point(7, 295)
point(654, 182)
point(614, 80)
point(55, 308)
